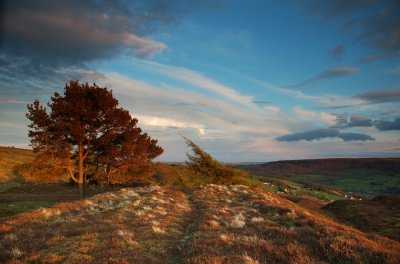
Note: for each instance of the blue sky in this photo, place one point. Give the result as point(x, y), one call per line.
point(246, 80)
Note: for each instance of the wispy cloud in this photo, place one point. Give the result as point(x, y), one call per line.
point(326, 101)
point(361, 100)
point(369, 58)
point(320, 134)
point(261, 102)
point(337, 52)
point(377, 24)
point(198, 80)
point(13, 102)
point(322, 117)
point(169, 123)
point(328, 74)
point(376, 97)
point(395, 70)
point(187, 105)
point(232, 42)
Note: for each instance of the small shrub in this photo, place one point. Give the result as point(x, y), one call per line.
point(212, 171)
point(41, 172)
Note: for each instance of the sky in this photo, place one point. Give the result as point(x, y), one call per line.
point(248, 81)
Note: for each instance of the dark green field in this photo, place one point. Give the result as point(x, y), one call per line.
point(360, 176)
point(362, 181)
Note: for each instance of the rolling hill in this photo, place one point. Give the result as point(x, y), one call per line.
point(378, 215)
point(372, 176)
point(9, 158)
point(286, 217)
point(209, 224)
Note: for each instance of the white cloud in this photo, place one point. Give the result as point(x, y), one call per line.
point(14, 102)
point(306, 115)
point(165, 111)
point(273, 109)
point(197, 79)
point(143, 47)
point(325, 101)
point(169, 123)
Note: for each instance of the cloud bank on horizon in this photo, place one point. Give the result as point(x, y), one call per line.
point(247, 82)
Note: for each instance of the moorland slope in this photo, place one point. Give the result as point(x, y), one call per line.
point(9, 158)
point(209, 224)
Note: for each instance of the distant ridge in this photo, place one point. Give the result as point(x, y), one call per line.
point(332, 165)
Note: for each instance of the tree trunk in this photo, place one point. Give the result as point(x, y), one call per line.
point(80, 170)
point(81, 190)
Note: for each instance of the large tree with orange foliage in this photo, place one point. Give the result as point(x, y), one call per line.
point(85, 132)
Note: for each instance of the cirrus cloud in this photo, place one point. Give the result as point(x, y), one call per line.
point(376, 24)
point(337, 52)
point(337, 72)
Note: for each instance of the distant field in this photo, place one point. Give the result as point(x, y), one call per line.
point(364, 181)
point(360, 176)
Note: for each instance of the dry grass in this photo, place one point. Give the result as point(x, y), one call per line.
point(103, 229)
point(210, 224)
point(258, 227)
point(379, 215)
point(10, 157)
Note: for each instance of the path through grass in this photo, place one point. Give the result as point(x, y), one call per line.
point(210, 224)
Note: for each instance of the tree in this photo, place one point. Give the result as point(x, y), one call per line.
point(205, 166)
point(86, 133)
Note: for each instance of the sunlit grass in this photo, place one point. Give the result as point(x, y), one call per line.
point(207, 224)
point(13, 208)
point(261, 227)
point(104, 228)
point(9, 157)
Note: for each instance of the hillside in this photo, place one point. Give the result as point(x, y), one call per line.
point(372, 176)
point(210, 224)
point(10, 157)
point(29, 185)
point(380, 214)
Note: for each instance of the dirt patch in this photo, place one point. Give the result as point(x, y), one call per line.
point(192, 223)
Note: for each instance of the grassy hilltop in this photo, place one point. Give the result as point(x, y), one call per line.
point(210, 224)
point(178, 217)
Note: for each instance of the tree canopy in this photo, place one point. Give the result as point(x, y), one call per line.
point(88, 134)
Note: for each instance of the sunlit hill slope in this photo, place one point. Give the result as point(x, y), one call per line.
point(210, 224)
